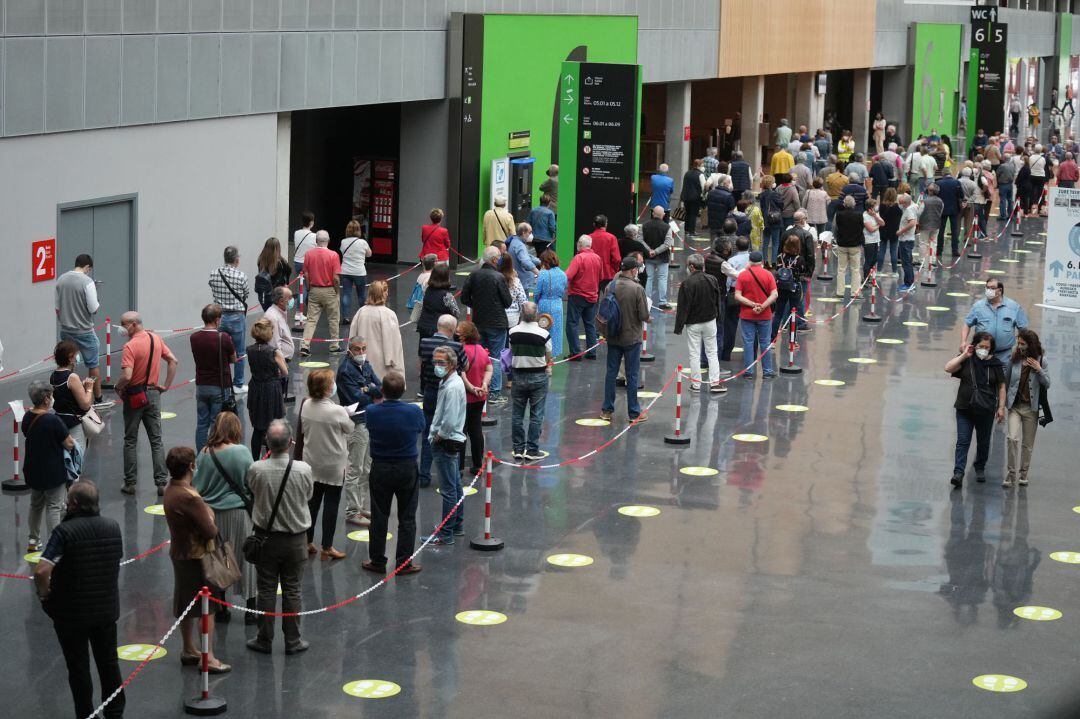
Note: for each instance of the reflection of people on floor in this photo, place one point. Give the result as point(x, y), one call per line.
point(1015, 562)
point(967, 559)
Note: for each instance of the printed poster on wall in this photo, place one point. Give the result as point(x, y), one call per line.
point(1061, 284)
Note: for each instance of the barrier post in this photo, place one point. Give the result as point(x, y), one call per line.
point(791, 367)
point(487, 542)
point(973, 253)
point(679, 437)
point(872, 315)
point(486, 421)
point(204, 704)
point(108, 383)
point(1017, 230)
point(300, 317)
point(824, 275)
point(15, 484)
point(645, 356)
point(929, 281)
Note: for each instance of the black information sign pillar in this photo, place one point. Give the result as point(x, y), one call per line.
point(987, 71)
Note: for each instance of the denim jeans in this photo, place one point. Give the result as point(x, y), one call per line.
point(207, 406)
point(770, 242)
point(235, 325)
point(530, 389)
point(755, 338)
point(982, 425)
point(1005, 198)
point(348, 282)
point(782, 311)
point(658, 274)
point(494, 341)
point(431, 397)
point(630, 356)
point(446, 463)
point(887, 247)
point(149, 417)
point(906, 248)
point(580, 309)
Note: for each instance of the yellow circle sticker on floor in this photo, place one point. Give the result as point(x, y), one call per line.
point(1076, 509)
point(1023, 252)
point(592, 422)
point(1034, 242)
point(468, 491)
point(792, 408)
point(863, 360)
point(140, 652)
point(569, 560)
point(958, 294)
point(371, 689)
point(1042, 234)
point(975, 282)
point(749, 437)
point(314, 364)
point(999, 683)
point(362, 535)
point(32, 557)
point(699, 471)
point(1008, 260)
point(168, 415)
point(915, 323)
point(155, 509)
point(890, 341)
point(736, 350)
point(647, 394)
point(480, 617)
point(938, 308)
point(639, 510)
point(828, 299)
point(995, 272)
point(463, 273)
point(1037, 614)
point(1066, 557)
point(830, 382)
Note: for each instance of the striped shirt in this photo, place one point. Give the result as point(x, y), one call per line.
point(530, 345)
point(231, 290)
point(428, 345)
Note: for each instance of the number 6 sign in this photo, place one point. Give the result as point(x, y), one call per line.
point(43, 258)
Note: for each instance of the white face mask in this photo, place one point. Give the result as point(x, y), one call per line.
point(990, 294)
point(121, 330)
point(441, 371)
point(982, 353)
point(359, 360)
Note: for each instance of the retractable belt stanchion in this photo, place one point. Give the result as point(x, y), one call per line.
point(645, 356)
point(1017, 230)
point(108, 383)
point(824, 275)
point(973, 253)
point(679, 437)
point(485, 420)
point(872, 315)
point(487, 542)
point(300, 317)
point(204, 704)
point(15, 484)
point(931, 260)
point(791, 367)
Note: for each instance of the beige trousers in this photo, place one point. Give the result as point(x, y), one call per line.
point(1020, 439)
point(322, 299)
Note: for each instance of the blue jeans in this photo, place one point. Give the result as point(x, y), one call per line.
point(887, 247)
point(235, 325)
point(906, 248)
point(782, 310)
point(1005, 195)
point(207, 407)
point(630, 355)
point(431, 397)
point(446, 463)
point(755, 338)
point(658, 274)
point(298, 267)
point(348, 282)
point(530, 389)
point(88, 344)
point(494, 341)
point(967, 423)
point(579, 308)
point(770, 243)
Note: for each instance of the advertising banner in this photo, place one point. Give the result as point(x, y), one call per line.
point(1061, 283)
point(937, 78)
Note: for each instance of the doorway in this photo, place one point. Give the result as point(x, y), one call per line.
point(104, 229)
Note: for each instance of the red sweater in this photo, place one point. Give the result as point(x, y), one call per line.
point(435, 240)
point(606, 248)
point(583, 275)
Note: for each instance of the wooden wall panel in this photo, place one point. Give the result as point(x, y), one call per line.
point(759, 37)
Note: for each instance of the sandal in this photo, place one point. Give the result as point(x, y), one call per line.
point(219, 668)
point(190, 660)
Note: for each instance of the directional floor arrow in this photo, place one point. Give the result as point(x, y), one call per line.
point(1056, 267)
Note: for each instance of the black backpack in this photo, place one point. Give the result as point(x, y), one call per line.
point(786, 284)
point(609, 314)
point(264, 288)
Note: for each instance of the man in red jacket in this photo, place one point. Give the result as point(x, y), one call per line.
point(583, 278)
point(606, 247)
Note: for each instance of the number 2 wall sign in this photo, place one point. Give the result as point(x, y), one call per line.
point(43, 260)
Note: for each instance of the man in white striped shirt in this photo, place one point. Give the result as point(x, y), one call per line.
point(229, 288)
point(530, 345)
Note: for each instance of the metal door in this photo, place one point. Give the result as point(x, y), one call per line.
point(105, 229)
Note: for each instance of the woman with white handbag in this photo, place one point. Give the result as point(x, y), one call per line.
point(73, 396)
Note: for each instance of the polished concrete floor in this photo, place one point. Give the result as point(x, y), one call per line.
point(827, 571)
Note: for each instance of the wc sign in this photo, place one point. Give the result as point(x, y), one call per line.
point(43, 260)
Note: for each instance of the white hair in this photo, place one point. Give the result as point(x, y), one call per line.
point(322, 237)
point(664, 167)
point(491, 253)
point(500, 201)
point(584, 242)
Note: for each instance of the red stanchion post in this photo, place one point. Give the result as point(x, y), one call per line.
point(204, 704)
point(108, 384)
point(973, 253)
point(645, 356)
point(791, 367)
point(824, 275)
point(872, 315)
point(679, 437)
point(1017, 230)
point(487, 542)
point(299, 317)
point(15, 484)
point(930, 281)
point(485, 420)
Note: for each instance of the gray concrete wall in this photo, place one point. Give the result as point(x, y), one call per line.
point(79, 64)
point(422, 179)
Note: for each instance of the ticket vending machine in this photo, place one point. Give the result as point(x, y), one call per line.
point(521, 179)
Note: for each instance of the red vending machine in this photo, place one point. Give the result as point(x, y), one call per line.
point(374, 205)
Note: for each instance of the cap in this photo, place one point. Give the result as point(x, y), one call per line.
point(756, 256)
point(629, 263)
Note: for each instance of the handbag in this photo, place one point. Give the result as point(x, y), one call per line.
point(298, 446)
point(228, 401)
point(982, 398)
point(92, 423)
point(254, 543)
point(679, 213)
point(244, 497)
point(219, 564)
point(135, 395)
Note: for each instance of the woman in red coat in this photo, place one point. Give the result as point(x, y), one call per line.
point(434, 238)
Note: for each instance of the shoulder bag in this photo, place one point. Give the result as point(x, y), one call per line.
point(228, 401)
point(983, 399)
point(135, 395)
point(90, 420)
point(244, 497)
point(298, 447)
point(234, 293)
point(254, 543)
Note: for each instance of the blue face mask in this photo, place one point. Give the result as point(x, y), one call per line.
point(333, 389)
point(292, 303)
point(441, 370)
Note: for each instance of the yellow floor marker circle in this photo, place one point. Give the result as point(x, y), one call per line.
point(314, 364)
point(828, 299)
point(999, 683)
point(158, 510)
point(1037, 614)
point(736, 350)
point(592, 422)
point(863, 360)
point(1066, 557)
point(639, 510)
point(890, 341)
point(1008, 260)
point(32, 557)
point(830, 382)
point(938, 308)
point(958, 294)
point(363, 535)
point(468, 491)
point(371, 689)
point(995, 272)
point(792, 408)
point(168, 415)
point(279, 590)
point(463, 273)
point(480, 617)
point(1076, 509)
point(1042, 234)
point(569, 560)
point(581, 337)
point(1034, 242)
point(749, 437)
point(140, 652)
point(915, 323)
point(417, 404)
point(975, 282)
point(699, 471)
point(1023, 252)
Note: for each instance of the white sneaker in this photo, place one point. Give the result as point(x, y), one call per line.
point(695, 387)
point(717, 388)
point(240, 391)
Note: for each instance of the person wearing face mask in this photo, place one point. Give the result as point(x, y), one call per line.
point(323, 429)
point(447, 439)
point(980, 401)
point(72, 396)
point(358, 385)
point(1027, 381)
point(445, 330)
point(265, 401)
point(47, 438)
point(277, 314)
point(997, 314)
point(625, 347)
point(527, 266)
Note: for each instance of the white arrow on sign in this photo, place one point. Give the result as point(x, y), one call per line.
point(567, 119)
point(569, 79)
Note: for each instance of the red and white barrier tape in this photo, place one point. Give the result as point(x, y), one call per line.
point(137, 557)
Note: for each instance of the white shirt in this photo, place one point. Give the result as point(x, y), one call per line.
point(282, 339)
point(1038, 165)
point(911, 213)
point(870, 237)
point(303, 240)
point(927, 166)
point(354, 254)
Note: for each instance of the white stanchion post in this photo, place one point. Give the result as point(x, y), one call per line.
point(300, 317)
point(108, 384)
point(872, 315)
point(487, 542)
point(205, 704)
point(824, 275)
point(645, 356)
point(15, 484)
point(485, 420)
point(679, 437)
point(929, 281)
point(791, 367)
point(973, 253)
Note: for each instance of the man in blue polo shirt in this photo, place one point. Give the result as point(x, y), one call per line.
point(662, 187)
point(999, 315)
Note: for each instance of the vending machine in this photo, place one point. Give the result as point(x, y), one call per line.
point(374, 205)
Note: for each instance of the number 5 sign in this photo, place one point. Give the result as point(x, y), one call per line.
point(43, 257)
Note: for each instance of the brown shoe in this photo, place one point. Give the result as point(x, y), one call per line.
point(312, 549)
point(409, 568)
point(358, 520)
point(606, 416)
point(331, 553)
point(373, 567)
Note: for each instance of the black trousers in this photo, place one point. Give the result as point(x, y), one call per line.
point(283, 559)
point(329, 497)
point(1036, 198)
point(693, 209)
point(389, 480)
point(474, 430)
point(954, 224)
point(731, 325)
point(76, 642)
